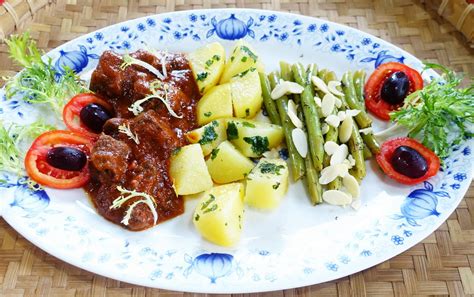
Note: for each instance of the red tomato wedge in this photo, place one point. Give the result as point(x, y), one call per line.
point(373, 88)
point(43, 173)
point(72, 111)
point(385, 156)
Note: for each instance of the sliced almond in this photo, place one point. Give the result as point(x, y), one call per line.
point(336, 197)
point(327, 105)
point(292, 114)
point(324, 128)
point(331, 172)
point(286, 87)
point(342, 115)
point(339, 155)
point(351, 185)
point(352, 112)
point(318, 101)
point(351, 160)
point(366, 131)
point(320, 84)
point(332, 87)
point(300, 141)
point(333, 120)
point(345, 130)
point(338, 103)
point(271, 154)
point(330, 147)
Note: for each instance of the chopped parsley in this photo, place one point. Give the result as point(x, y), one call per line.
point(196, 218)
point(259, 144)
point(249, 53)
point(242, 74)
point(247, 112)
point(207, 114)
point(248, 124)
point(176, 151)
point(212, 208)
point(232, 59)
point(211, 199)
point(244, 59)
point(202, 76)
point(209, 135)
point(212, 60)
point(267, 167)
point(214, 153)
point(276, 186)
point(232, 132)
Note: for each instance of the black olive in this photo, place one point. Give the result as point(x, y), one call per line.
point(66, 158)
point(409, 162)
point(94, 116)
point(395, 88)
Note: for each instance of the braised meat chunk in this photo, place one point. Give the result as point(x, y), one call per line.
point(130, 182)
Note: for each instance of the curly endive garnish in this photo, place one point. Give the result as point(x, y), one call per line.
point(158, 90)
point(125, 129)
point(127, 195)
point(129, 60)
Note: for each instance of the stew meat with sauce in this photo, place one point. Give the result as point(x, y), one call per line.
point(119, 161)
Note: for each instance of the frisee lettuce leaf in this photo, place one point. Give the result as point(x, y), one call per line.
point(39, 82)
point(440, 114)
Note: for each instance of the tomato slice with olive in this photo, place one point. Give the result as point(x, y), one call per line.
point(86, 114)
point(407, 161)
point(58, 159)
point(388, 86)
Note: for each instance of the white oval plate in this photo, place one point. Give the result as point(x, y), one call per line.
point(297, 244)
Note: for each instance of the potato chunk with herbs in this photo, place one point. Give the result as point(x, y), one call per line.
point(267, 184)
point(246, 94)
point(226, 164)
point(207, 63)
point(243, 57)
point(219, 213)
point(215, 104)
point(208, 136)
point(188, 164)
point(253, 138)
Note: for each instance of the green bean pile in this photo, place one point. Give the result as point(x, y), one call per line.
point(361, 145)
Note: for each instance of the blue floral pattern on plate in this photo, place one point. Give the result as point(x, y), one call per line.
point(66, 225)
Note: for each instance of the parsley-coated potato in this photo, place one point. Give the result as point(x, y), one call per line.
point(207, 63)
point(246, 94)
point(219, 214)
point(242, 58)
point(253, 138)
point(208, 136)
point(267, 184)
point(189, 171)
point(215, 104)
point(226, 164)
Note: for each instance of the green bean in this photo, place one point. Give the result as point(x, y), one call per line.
point(269, 103)
point(367, 153)
point(356, 148)
point(313, 126)
point(362, 118)
point(312, 182)
point(285, 71)
point(371, 142)
point(359, 82)
point(322, 72)
point(296, 161)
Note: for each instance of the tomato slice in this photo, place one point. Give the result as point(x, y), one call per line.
point(373, 88)
point(43, 173)
point(72, 111)
point(385, 156)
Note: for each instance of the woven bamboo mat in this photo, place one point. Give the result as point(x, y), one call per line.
point(441, 265)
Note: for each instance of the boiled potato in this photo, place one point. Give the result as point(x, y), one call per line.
point(219, 213)
point(227, 164)
point(188, 164)
point(267, 184)
point(243, 57)
point(215, 104)
point(253, 138)
point(208, 136)
point(207, 63)
point(246, 94)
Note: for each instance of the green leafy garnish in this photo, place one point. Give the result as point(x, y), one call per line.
point(267, 167)
point(214, 153)
point(202, 76)
point(209, 135)
point(159, 91)
point(259, 144)
point(439, 114)
point(129, 61)
point(40, 82)
point(126, 195)
point(232, 132)
point(253, 56)
point(12, 137)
